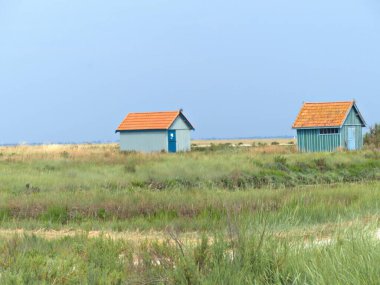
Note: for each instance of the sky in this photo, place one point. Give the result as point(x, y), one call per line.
point(71, 70)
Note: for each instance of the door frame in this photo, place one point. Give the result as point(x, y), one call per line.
point(351, 138)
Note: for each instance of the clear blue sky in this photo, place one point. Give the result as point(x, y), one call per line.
point(71, 70)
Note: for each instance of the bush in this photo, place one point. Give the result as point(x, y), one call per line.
point(130, 166)
point(373, 137)
point(275, 143)
point(65, 154)
point(56, 214)
point(321, 164)
point(280, 160)
point(220, 147)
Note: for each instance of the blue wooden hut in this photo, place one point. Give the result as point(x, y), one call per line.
point(326, 127)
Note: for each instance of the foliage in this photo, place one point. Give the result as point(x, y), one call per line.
point(372, 138)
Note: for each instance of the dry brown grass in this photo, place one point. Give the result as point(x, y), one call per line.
point(273, 149)
point(245, 141)
point(58, 150)
point(78, 152)
point(110, 152)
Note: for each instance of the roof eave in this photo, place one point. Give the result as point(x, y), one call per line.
point(140, 130)
point(364, 124)
point(316, 127)
point(187, 121)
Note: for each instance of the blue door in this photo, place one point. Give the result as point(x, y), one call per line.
point(172, 141)
point(351, 140)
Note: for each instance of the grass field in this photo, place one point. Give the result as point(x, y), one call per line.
point(263, 214)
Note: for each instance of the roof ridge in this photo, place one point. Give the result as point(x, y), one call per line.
point(154, 112)
point(332, 102)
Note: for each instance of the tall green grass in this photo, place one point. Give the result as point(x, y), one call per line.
point(189, 210)
point(245, 257)
point(103, 188)
point(231, 170)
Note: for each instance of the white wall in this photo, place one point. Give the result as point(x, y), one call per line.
point(144, 141)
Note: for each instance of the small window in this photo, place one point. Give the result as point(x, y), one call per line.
point(328, 131)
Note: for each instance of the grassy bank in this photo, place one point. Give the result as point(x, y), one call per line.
point(96, 186)
point(267, 215)
point(243, 258)
point(104, 168)
point(189, 210)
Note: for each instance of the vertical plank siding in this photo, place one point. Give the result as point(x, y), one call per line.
point(352, 121)
point(310, 140)
point(358, 136)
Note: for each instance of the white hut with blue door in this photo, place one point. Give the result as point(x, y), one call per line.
point(155, 131)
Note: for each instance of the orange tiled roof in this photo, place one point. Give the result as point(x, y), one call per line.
point(332, 114)
point(148, 121)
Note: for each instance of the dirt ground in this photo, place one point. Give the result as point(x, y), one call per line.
point(130, 236)
point(318, 235)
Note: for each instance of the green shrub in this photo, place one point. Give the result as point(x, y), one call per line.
point(56, 214)
point(65, 154)
point(5, 214)
point(321, 164)
point(130, 166)
point(280, 160)
point(372, 139)
point(102, 213)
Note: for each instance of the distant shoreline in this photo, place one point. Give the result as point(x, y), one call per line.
point(116, 141)
point(244, 138)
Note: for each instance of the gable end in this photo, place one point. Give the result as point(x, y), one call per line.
point(354, 118)
point(181, 122)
